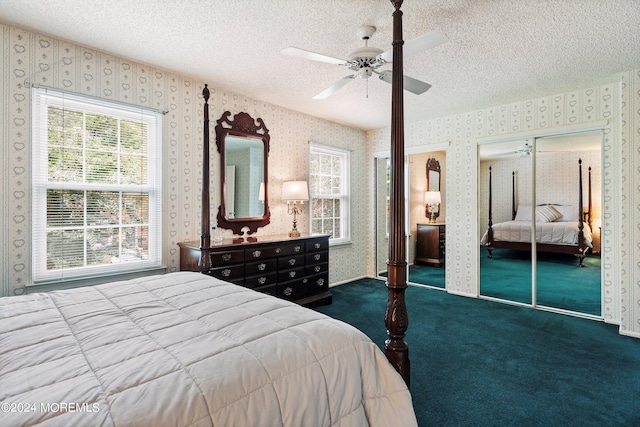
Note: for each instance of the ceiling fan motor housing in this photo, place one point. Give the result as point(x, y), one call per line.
point(364, 57)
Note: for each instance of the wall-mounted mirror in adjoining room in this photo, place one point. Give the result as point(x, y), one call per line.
point(433, 197)
point(243, 145)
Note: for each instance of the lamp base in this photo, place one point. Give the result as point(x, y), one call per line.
point(294, 233)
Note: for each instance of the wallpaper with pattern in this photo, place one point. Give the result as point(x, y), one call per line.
point(29, 58)
point(619, 105)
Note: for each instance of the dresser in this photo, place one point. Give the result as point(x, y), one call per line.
point(430, 243)
point(296, 269)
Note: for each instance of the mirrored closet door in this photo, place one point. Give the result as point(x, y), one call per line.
point(425, 217)
point(505, 202)
point(540, 219)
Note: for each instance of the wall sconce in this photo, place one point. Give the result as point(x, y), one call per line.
point(295, 193)
point(431, 200)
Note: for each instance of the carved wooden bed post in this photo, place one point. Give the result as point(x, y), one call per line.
point(204, 264)
point(396, 318)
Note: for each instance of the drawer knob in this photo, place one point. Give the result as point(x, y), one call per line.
point(262, 280)
point(317, 245)
point(320, 282)
point(278, 250)
point(256, 254)
point(316, 257)
point(317, 268)
point(226, 272)
point(292, 261)
point(297, 248)
point(292, 274)
point(226, 257)
point(262, 266)
point(288, 291)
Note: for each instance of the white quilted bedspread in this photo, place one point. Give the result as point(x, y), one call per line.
point(185, 349)
point(558, 233)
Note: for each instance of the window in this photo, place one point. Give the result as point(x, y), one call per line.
point(96, 186)
point(329, 185)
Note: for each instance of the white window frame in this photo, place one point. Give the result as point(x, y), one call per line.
point(345, 191)
point(42, 98)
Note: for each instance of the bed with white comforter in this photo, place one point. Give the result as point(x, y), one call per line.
point(555, 233)
point(185, 349)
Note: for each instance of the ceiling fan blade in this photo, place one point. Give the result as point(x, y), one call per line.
point(417, 45)
point(409, 83)
point(305, 54)
point(334, 87)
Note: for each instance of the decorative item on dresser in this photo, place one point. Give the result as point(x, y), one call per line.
point(294, 193)
point(292, 269)
point(430, 244)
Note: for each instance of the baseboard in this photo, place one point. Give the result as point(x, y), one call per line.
point(331, 285)
point(462, 294)
point(632, 334)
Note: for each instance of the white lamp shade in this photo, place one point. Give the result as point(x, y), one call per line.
point(432, 197)
point(295, 191)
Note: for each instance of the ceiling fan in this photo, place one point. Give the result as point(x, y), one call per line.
point(367, 61)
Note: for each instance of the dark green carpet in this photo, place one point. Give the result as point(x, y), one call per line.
point(560, 282)
point(425, 275)
point(480, 363)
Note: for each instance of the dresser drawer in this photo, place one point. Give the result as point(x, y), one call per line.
point(260, 267)
point(315, 269)
point(290, 274)
point(227, 257)
point(260, 253)
point(300, 288)
point(290, 249)
point(229, 273)
point(317, 257)
point(254, 282)
point(320, 244)
point(289, 262)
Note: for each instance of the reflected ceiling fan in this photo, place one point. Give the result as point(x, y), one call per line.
point(367, 61)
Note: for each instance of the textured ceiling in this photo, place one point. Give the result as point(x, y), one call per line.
point(500, 51)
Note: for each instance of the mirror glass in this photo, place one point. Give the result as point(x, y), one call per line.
point(505, 208)
point(433, 184)
point(434, 180)
point(425, 252)
point(244, 177)
point(243, 144)
point(535, 191)
point(560, 282)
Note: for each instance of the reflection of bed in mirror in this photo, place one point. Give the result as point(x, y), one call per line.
point(559, 228)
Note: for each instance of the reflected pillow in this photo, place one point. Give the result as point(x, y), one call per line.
point(568, 213)
point(547, 213)
point(523, 213)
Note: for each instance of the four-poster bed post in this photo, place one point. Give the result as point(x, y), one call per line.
point(396, 318)
point(204, 263)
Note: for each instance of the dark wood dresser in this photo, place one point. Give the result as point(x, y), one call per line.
point(430, 244)
point(296, 269)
